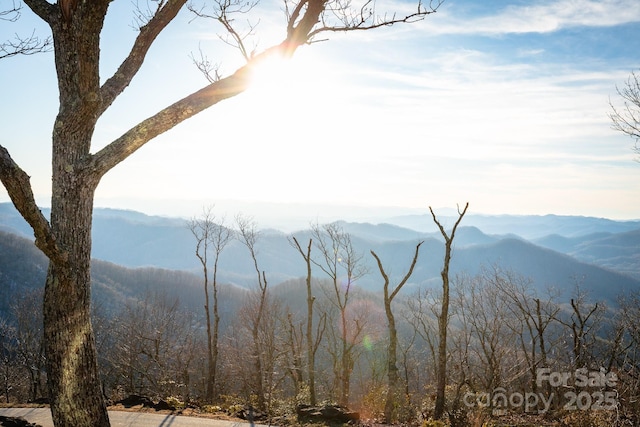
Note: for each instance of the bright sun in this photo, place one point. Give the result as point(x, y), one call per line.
point(294, 110)
point(281, 82)
point(276, 79)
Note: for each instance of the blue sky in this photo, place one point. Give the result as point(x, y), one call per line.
point(499, 103)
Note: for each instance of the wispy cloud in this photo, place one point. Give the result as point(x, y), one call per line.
point(543, 17)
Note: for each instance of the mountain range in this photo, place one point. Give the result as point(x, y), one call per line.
point(600, 256)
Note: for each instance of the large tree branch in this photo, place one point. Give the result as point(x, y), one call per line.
point(409, 273)
point(18, 185)
point(136, 137)
point(300, 33)
point(166, 119)
point(385, 277)
point(219, 90)
point(45, 10)
point(448, 239)
point(130, 66)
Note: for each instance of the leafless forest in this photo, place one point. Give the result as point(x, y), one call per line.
point(513, 352)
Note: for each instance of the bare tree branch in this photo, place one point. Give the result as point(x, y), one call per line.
point(167, 10)
point(299, 33)
point(21, 45)
point(25, 46)
point(45, 10)
point(366, 18)
point(626, 119)
point(11, 14)
point(210, 71)
point(18, 185)
point(136, 137)
point(224, 12)
point(143, 14)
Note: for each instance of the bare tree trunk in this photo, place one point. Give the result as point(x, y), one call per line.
point(294, 362)
point(221, 237)
point(69, 340)
point(210, 235)
point(392, 352)
point(215, 338)
point(345, 361)
point(257, 364)
point(211, 375)
point(443, 318)
point(311, 342)
point(248, 236)
point(212, 331)
point(582, 324)
point(337, 253)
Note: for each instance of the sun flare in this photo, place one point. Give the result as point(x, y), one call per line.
point(275, 79)
point(284, 82)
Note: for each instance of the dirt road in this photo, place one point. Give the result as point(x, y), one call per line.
point(42, 416)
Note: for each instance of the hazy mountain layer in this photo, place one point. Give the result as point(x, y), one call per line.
point(601, 260)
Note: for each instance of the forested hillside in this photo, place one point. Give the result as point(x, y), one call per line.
point(516, 306)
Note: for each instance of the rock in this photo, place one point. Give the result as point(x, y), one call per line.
point(163, 405)
point(145, 402)
point(249, 413)
point(326, 414)
point(16, 422)
point(136, 400)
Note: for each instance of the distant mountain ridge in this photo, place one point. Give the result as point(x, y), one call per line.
point(599, 259)
point(525, 226)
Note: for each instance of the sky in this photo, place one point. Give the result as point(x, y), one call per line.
point(503, 104)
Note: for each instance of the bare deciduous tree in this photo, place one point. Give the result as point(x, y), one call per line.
point(154, 347)
point(248, 235)
point(627, 356)
point(210, 235)
point(294, 352)
point(312, 339)
point(486, 314)
point(28, 317)
point(9, 375)
point(340, 261)
point(532, 318)
point(582, 321)
point(443, 316)
point(392, 349)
